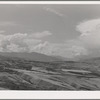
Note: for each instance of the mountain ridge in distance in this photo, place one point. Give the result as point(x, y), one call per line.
point(34, 56)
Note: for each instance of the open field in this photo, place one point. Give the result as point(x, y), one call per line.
point(20, 74)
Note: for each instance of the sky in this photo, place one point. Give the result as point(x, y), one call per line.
point(69, 31)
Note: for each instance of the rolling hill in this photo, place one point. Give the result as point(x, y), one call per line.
point(18, 73)
point(30, 56)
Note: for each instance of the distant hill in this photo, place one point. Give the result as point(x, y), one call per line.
point(94, 60)
point(30, 56)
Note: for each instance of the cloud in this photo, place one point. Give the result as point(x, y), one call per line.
point(73, 51)
point(86, 27)
point(22, 42)
point(41, 34)
point(15, 48)
point(90, 33)
point(87, 43)
point(53, 11)
point(61, 49)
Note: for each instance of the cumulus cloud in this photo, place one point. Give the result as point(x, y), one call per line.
point(15, 48)
point(87, 43)
point(90, 33)
point(22, 42)
point(86, 27)
point(61, 49)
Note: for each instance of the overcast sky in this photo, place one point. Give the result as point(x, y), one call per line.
point(63, 30)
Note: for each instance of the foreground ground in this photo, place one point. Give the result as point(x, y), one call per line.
point(20, 74)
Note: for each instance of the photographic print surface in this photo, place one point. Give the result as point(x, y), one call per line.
point(50, 47)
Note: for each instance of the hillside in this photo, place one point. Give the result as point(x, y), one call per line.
point(21, 74)
point(30, 56)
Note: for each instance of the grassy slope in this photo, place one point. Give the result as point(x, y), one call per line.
point(20, 74)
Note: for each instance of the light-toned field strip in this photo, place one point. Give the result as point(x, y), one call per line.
point(71, 70)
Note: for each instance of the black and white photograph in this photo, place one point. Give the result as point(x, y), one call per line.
point(50, 47)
